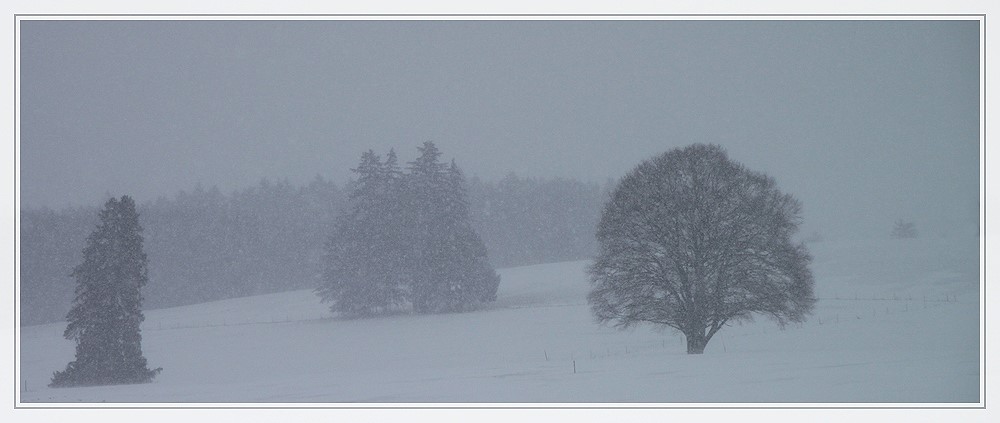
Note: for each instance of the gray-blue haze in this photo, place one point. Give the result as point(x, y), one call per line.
point(865, 122)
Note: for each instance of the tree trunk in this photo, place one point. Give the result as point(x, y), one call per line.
point(696, 342)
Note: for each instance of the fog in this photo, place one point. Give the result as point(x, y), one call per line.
point(866, 122)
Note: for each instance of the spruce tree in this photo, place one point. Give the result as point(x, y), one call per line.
point(451, 271)
point(425, 185)
point(474, 280)
point(393, 250)
point(363, 274)
point(106, 315)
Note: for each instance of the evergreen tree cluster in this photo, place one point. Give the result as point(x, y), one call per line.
point(204, 244)
point(527, 221)
point(107, 311)
point(406, 242)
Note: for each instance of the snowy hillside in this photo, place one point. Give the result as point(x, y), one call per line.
point(897, 322)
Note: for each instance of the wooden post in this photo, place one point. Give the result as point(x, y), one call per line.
point(546, 355)
point(574, 366)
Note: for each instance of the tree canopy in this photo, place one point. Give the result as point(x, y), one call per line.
point(694, 241)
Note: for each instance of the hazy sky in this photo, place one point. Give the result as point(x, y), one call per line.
point(865, 122)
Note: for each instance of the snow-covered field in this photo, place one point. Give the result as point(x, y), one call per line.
point(898, 321)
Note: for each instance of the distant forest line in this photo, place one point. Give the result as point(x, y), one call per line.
point(205, 245)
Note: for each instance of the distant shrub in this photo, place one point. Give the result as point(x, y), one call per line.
point(903, 230)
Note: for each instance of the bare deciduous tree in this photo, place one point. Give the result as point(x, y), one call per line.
point(695, 241)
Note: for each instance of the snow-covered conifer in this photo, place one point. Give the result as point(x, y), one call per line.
point(451, 271)
point(363, 276)
point(106, 315)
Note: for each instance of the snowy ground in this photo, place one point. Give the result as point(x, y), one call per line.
point(897, 322)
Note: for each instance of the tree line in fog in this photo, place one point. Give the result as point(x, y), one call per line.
point(206, 245)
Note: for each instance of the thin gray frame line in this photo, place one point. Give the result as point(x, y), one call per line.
point(510, 15)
